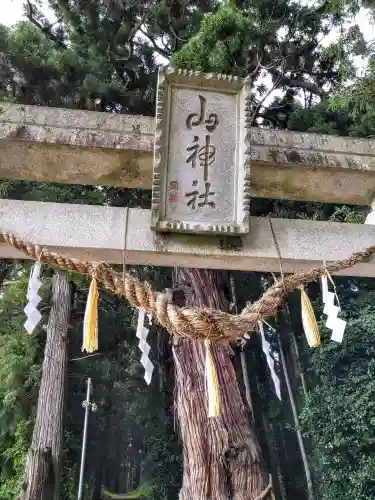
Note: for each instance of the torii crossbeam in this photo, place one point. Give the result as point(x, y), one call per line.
point(70, 146)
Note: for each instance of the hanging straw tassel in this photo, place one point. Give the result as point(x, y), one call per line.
point(309, 321)
point(90, 322)
point(212, 383)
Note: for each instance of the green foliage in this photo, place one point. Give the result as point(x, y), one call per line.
point(19, 378)
point(359, 95)
point(335, 117)
point(282, 40)
point(319, 119)
point(52, 192)
point(219, 44)
point(339, 414)
point(142, 493)
point(14, 458)
point(37, 71)
point(348, 215)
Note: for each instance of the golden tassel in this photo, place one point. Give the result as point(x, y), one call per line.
point(212, 383)
point(90, 322)
point(309, 321)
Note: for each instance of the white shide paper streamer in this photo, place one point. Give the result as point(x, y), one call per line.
point(142, 333)
point(31, 311)
point(370, 219)
point(271, 363)
point(337, 325)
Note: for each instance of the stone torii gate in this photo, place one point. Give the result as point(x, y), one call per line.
point(200, 127)
point(83, 147)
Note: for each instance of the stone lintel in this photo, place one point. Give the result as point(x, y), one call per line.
point(75, 147)
point(97, 233)
point(86, 147)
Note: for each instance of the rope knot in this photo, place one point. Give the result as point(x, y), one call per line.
point(97, 268)
point(39, 253)
point(161, 307)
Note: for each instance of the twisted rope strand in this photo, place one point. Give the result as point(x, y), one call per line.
point(191, 323)
point(268, 492)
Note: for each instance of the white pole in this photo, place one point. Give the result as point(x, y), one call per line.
point(86, 404)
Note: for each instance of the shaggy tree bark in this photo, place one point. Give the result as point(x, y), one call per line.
point(221, 455)
point(44, 462)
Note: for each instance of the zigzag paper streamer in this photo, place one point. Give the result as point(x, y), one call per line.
point(142, 333)
point(31, 311)
point(266, 348)
point(370, 219)
point(337, 325)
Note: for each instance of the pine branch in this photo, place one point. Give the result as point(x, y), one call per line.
point(151, 39)
point(298, 83)
point(131, 74)
point(46, 30)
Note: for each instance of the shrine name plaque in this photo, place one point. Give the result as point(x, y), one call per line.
point(201, 179)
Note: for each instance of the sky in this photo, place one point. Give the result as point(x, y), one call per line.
point(12, 11)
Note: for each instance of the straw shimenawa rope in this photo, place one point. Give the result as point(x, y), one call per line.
point(192, 323)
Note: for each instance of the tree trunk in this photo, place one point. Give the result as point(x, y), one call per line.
point(44, 461)
point(166, 381)
point(269, 436)
point(221, 455)
point(245, 374)
point(165, 368)
point(280, 475)
point(288, 319)
point(246, 382)
point(310, 492)
point(103, 451)
point(4, 265)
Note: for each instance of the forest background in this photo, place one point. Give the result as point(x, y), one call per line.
point(103, 55)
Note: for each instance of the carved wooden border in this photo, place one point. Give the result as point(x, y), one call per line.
point(168, 76)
